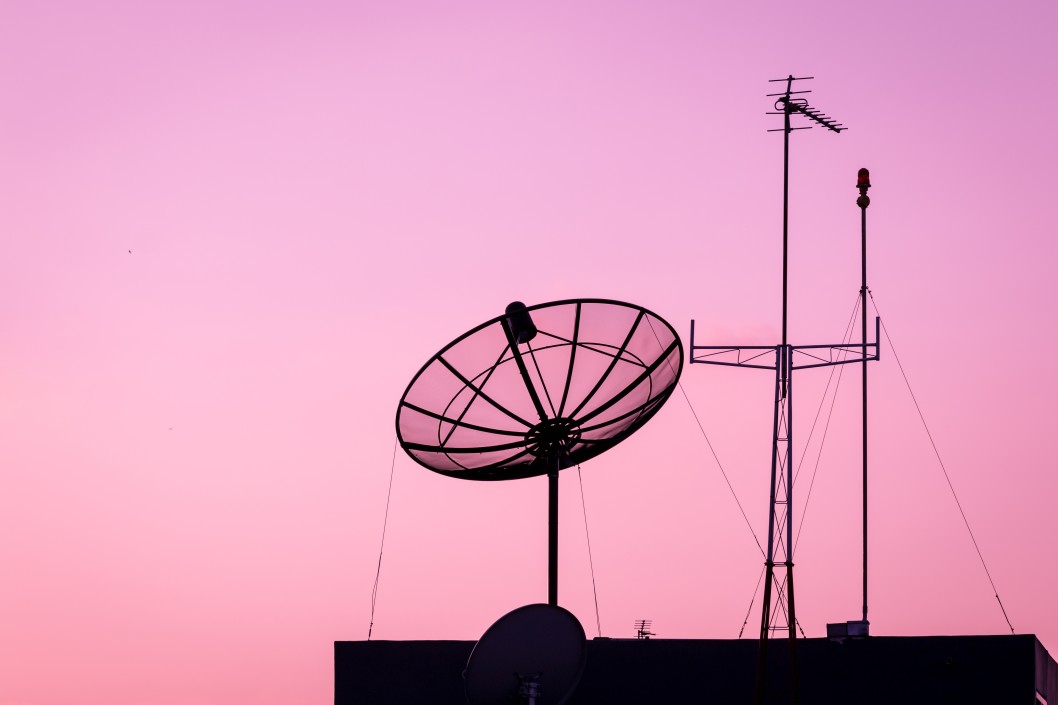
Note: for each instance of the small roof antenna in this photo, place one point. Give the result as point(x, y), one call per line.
point(643, 629)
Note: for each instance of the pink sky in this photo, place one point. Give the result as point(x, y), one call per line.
point(318, 196)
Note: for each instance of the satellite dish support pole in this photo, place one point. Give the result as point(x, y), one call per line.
point(552, 534)
point(552, 474)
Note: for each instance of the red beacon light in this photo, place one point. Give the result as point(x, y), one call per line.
point(863, 182)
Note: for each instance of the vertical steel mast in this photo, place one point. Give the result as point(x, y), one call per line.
point(863, 182)
point(778, 611)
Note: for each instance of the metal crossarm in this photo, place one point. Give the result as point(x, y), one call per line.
point(836, 354)
point(804, 356)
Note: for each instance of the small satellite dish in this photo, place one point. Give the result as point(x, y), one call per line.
point(533, 655)
point(539, 389)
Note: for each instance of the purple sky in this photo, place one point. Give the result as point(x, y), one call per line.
point(197, 435)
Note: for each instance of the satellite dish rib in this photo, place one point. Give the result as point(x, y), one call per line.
point(539, 389)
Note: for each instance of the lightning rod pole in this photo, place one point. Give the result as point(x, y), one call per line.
point(863, 182)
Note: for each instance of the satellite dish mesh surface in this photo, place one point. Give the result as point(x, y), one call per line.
point(538, 387)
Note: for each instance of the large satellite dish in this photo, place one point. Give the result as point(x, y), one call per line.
point(539, 389)
point(534, 654)
point(561, 381)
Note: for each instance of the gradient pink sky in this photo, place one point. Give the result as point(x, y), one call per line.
point(197, 436)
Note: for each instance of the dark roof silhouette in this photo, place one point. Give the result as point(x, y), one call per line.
point(876, 670)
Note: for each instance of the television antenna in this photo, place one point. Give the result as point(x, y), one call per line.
point(778, 612)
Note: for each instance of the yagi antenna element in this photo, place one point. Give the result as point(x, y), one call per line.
point(786, 105)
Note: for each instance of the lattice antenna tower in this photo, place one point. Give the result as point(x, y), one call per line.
point(778, 612)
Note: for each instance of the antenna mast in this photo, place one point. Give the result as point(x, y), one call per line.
point(863, 182)
point(778, 612)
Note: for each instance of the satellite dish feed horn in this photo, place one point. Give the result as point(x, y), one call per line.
point(520, 323)
point(537, 390)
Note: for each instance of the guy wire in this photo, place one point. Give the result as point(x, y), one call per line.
point(940, 461)
point(385, 520)
point(826, 426)
point(591, 564)
point(711, 449)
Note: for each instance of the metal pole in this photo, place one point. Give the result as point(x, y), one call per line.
point(787, 379)
point(794, 685)
point(863, 182)
point(785, 201)
point(552, 535)
point(781, 378)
